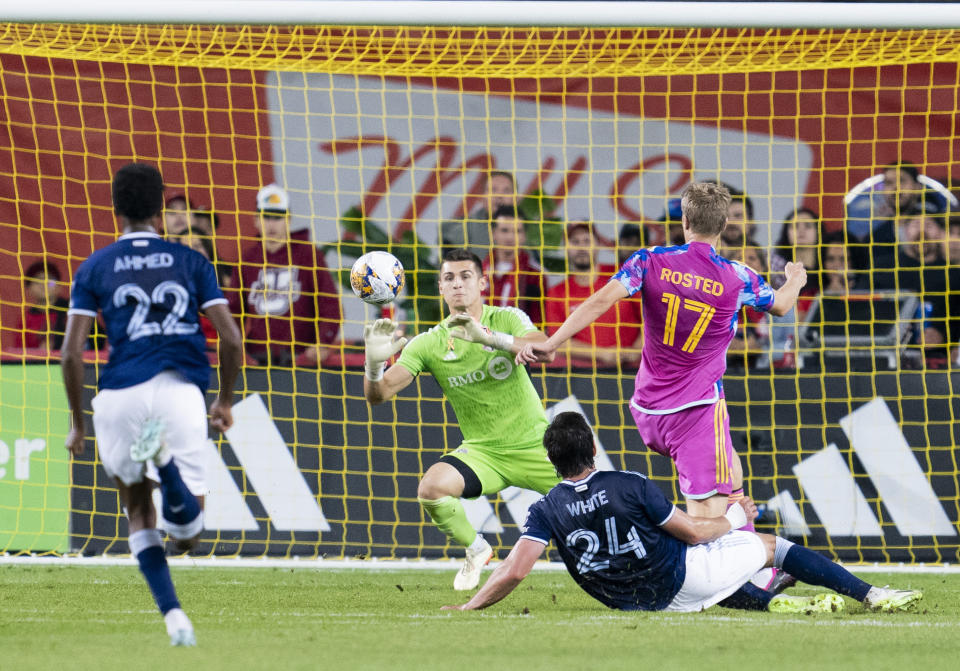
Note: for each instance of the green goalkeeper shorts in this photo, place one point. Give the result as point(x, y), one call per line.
point(487, 470)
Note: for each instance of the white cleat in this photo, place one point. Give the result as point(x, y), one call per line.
point(150, 443)
point(886, 600)
point(180, 629)
point(183, 638)
point(468, 577)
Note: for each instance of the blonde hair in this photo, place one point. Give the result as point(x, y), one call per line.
point(705, 205)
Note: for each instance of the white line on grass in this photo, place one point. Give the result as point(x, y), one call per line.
point(376, 564)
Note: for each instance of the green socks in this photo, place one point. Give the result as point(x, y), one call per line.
point(450, 517)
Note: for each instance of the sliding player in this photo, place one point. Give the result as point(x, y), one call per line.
point(150, 415)
point(470, 354)
point(631, 549)
point(691, 297)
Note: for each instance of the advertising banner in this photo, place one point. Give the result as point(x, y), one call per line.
point(860, 465)
point(34, 465)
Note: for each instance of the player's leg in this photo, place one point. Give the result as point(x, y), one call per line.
point(146, 544)
point(528, 467)
point(175, 443)
point(717, 570)
point(439, 494)
point(118, 419)
point(468, 473)
point(815, 569)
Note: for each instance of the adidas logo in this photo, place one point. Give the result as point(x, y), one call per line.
point(836, 498)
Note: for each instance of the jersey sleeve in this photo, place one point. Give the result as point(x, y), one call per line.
point(535, 527)
point(413, 355)
point(633, 271)
point(208, 289)
point(652, 501)
point(516, 322)
point(755, 292)
point(83, 300)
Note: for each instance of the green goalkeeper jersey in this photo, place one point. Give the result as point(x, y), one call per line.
point(494, 399)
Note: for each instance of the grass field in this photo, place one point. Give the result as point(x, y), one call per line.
point(101, 618)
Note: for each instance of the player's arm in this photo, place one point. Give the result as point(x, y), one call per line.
point(585, 314)
point(507, 576)
point(231, 357)
point(71, 366)
point(466, 327)
point(696, 530)
point(381, 341)
point(785, 298)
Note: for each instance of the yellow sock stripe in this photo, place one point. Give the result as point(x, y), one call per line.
point(727, 472)
point(717, 441)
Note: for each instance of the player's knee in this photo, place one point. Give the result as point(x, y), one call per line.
point(429, 490)
point(770, 546)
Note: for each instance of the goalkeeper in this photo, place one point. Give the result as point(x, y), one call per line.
point(500, 414)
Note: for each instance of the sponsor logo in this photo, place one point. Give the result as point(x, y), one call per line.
point(500, 368)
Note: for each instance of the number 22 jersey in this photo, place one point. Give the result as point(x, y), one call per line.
point(150, 293)
point(691, 297)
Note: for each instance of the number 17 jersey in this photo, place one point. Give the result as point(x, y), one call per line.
point(150, 293)
point(691, 297)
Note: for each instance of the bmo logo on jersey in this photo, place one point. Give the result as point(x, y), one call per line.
point(499, 368)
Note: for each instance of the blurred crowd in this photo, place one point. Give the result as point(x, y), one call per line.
point(885, 282)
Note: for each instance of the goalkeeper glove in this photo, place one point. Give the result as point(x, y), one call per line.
point(467, 328)
point(381, 342)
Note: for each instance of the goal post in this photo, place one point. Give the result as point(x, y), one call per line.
point(383, 136)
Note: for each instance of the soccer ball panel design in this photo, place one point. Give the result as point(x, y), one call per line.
point(377, 278)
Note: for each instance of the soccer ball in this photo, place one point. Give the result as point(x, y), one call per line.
point(377, 277)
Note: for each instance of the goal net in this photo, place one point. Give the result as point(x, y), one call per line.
point(844, 413)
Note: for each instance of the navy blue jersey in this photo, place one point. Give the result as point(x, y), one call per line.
point(150, 293)
point(607, 529)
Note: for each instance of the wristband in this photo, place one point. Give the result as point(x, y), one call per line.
point(502, 340)
point(737, 516)
point(374, 372)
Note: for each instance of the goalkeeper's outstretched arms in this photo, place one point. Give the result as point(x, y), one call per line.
point(466, 327)
point(381, 341)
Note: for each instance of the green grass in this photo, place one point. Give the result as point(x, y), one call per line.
point(252, 618)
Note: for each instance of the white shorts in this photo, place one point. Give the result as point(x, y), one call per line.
point(118, 417)
point(717, 569)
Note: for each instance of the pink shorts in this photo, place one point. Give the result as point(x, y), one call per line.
point(698, 441)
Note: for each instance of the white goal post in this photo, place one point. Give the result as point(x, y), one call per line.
point(843, 15)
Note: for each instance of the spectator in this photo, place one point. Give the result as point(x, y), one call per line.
point(636, 236)
point(921, 244)
point(753, 328)
point(952, 247)
point(740, 227)
point(206, 222)
point(199, 241)
point(870, 215)
point(629, 240)
point(177, 214)
point(672, 218)
point(474, 233)
point(615, 336)
point(282, 291)
point(44, 308)
point(798, 241)
point(514, 277)
point(836, 276)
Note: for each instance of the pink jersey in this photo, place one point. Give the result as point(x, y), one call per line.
point(691, 297)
